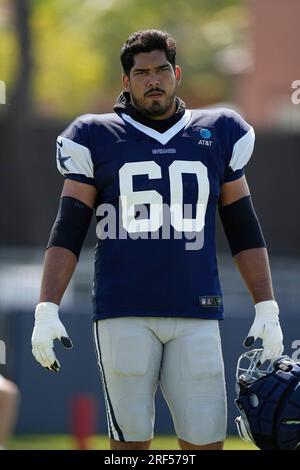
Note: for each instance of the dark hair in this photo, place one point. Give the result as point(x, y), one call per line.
point(147, 41)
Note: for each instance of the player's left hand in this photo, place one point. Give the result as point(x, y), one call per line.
point(267, 327)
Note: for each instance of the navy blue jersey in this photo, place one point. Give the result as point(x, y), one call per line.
point(156, 208)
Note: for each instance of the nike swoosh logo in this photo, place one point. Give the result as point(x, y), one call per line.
point(60, 143)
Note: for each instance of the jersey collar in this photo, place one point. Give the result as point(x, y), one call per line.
point(164, 137)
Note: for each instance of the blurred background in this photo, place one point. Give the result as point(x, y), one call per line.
point(60, 59)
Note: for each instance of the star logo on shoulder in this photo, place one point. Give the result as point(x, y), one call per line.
point(62, 160)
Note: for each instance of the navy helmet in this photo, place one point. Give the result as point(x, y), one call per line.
point(268, 399)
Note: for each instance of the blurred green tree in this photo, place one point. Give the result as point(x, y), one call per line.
point(76, 44)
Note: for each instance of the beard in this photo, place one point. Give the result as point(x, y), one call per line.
point(155, 109)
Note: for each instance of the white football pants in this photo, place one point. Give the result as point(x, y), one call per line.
point(183, 356)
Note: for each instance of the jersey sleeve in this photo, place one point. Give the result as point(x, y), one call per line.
point(73, 154)
point(241, 138)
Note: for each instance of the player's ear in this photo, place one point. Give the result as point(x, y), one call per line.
point(125, 81)
point(178, 74)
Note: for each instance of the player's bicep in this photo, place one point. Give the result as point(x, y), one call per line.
point(233, 191)
point(83, 192)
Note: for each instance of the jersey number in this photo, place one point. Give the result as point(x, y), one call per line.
point(131, 198)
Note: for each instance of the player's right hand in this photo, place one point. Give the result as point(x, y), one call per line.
point(47, 328)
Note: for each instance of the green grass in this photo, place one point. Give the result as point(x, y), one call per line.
point(65, 442)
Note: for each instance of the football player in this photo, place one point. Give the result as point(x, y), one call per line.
point(9, 401)
point(155, 173)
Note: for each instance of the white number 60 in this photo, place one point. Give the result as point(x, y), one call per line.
point(130, 198)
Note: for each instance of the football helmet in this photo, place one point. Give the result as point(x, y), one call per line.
point(268, 399)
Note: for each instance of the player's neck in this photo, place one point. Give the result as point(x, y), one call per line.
point(124, 105)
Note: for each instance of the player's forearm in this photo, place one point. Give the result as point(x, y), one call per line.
point(59, 266)
point(253, 266)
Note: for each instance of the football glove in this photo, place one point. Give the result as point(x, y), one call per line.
point(267, 327)
point(47, 328)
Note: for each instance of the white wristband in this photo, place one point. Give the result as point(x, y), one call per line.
point(267, 307)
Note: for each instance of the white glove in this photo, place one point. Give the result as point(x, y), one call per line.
point(48, 327)
point(267, 327)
